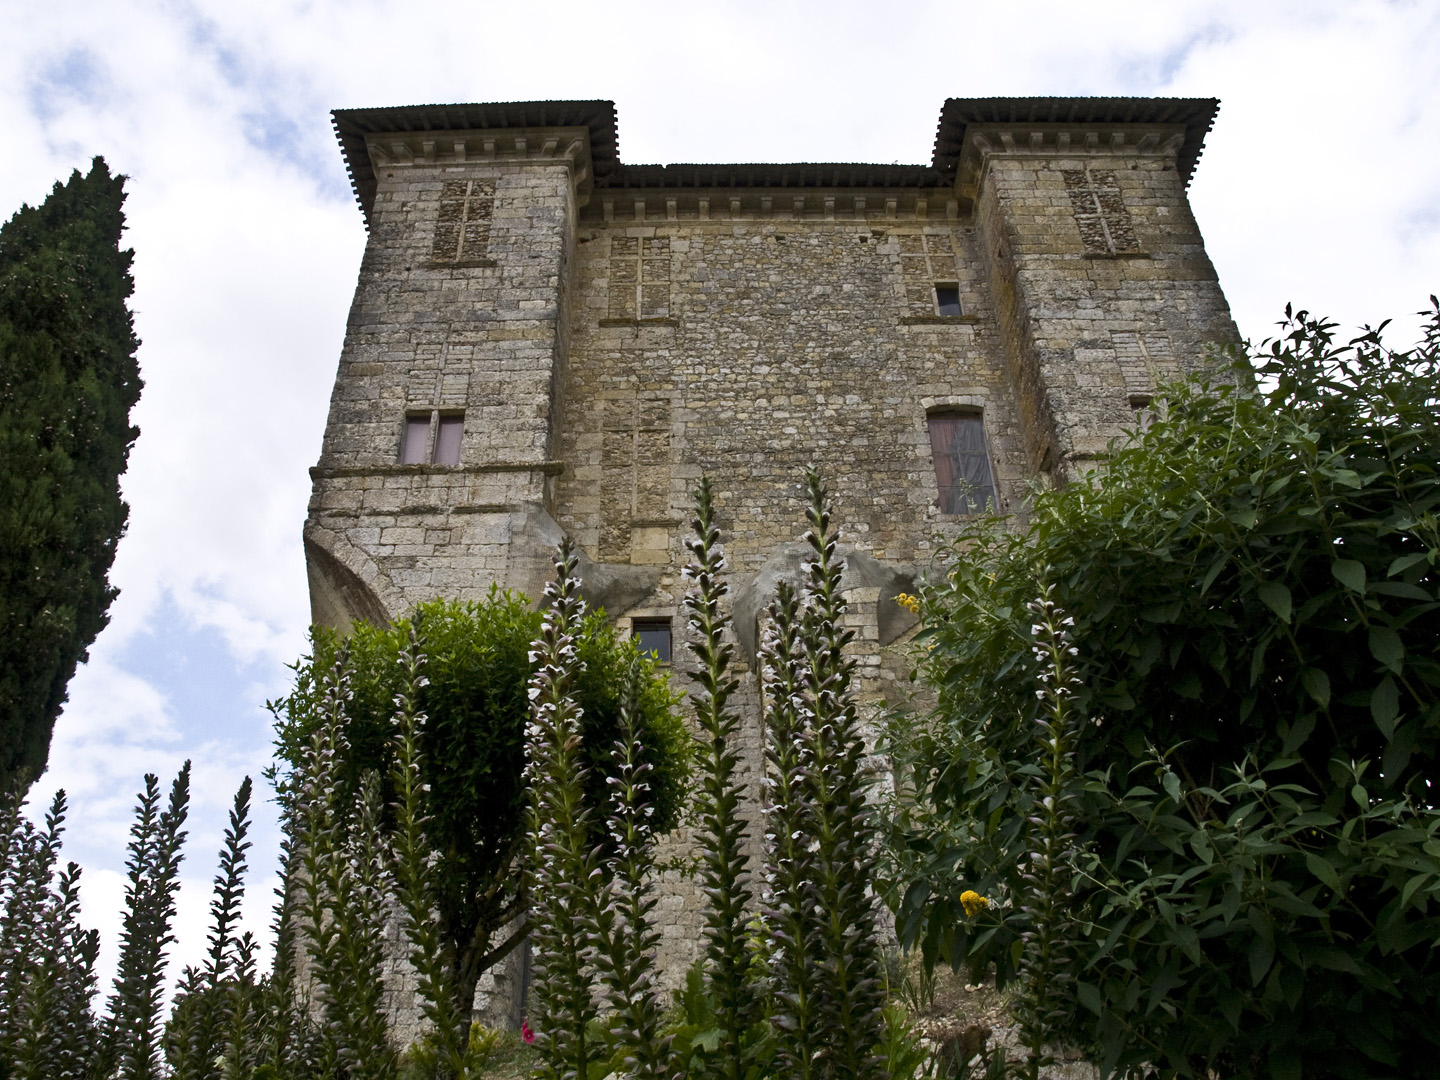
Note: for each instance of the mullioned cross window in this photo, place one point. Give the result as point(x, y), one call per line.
point(1100, 211)
point(639, 277)
point(928, 264)
point(462, 232)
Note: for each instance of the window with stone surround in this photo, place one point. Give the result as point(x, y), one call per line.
point(947, 299)
point(462, 232)
point(635, 468)
point(432, 437)
point(1146, 410)
point(639, 277)
point(652, 636)
point(927, 261)
point(1100, 211)
point(962, 461)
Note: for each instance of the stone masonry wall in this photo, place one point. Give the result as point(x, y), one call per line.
point(1092, 326)
point(480, 332)
point(609, 348)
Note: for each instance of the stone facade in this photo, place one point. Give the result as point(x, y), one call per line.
point(610, 332)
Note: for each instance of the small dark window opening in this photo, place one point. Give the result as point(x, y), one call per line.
point(1144, 410)
point(653, 636)
point(947, 299)
point(962, 463)
point(416, 447)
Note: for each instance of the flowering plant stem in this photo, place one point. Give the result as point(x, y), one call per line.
point(849, 975)
point(722, 833)
point(561, 859)
point(343, 903)
point(626, 940)
point(1046, 951)
point(414, 870)
point(789, 906)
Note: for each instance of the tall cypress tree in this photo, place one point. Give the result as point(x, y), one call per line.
point(68, 379)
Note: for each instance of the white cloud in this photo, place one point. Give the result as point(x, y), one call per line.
point(1319, 184)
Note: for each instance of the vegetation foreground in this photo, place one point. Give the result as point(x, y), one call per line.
point(1171, 797)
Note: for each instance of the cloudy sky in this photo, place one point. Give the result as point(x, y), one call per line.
point(1320, 184)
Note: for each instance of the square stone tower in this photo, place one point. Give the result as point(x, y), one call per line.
point(545, 341)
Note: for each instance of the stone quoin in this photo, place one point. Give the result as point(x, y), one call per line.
point(547, 341)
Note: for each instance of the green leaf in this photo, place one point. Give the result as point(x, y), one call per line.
point(1401, 589)
point(1397, 754)
point(1410, 886)
point(1404, 562)
point(1276, 597)
point(1385, 706)
point(1334, 959)
point(1285, 1064)
point(1349, 573)
point(1386, 647)
point(1322, 870)
point(1317, 685)
point(1090, 997)
point(1229, 1001)
point(1299, 732)
point(1172, 785)
point(1261, 956)
point(709, 1041)
point(1161, 613)
point(1361, 796)
point(1213, 573)
point(1257, 659)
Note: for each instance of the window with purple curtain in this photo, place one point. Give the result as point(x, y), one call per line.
point(962, 463)
point(414, 450)
point(447, 440)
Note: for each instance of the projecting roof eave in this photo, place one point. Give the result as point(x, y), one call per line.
point(800, 174)
point(352, 125)
point(1196, 114)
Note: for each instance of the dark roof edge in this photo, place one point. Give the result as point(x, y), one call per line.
point(957, 114)
point(775, 174)
point(352, 125)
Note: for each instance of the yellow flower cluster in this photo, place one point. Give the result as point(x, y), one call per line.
point(909, 603)
point(973, 902)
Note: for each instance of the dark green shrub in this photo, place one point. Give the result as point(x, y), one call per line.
point(475, 706)
point(68, 379)
point(1254, 586)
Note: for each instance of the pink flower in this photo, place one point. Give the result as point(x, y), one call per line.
point(525, 1032)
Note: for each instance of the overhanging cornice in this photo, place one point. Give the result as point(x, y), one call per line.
point(1041, 121)
point(1194, 115)
point(352, 126)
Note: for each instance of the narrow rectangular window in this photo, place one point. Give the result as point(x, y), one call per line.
point(447, 440)
point(962, 463)
point(1143, 408)
point(947, 300)
point(415, 448)
point(653, 636)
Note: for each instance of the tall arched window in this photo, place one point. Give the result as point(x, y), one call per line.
point(962, 462)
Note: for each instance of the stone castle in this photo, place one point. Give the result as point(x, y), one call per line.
point(547, 341)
